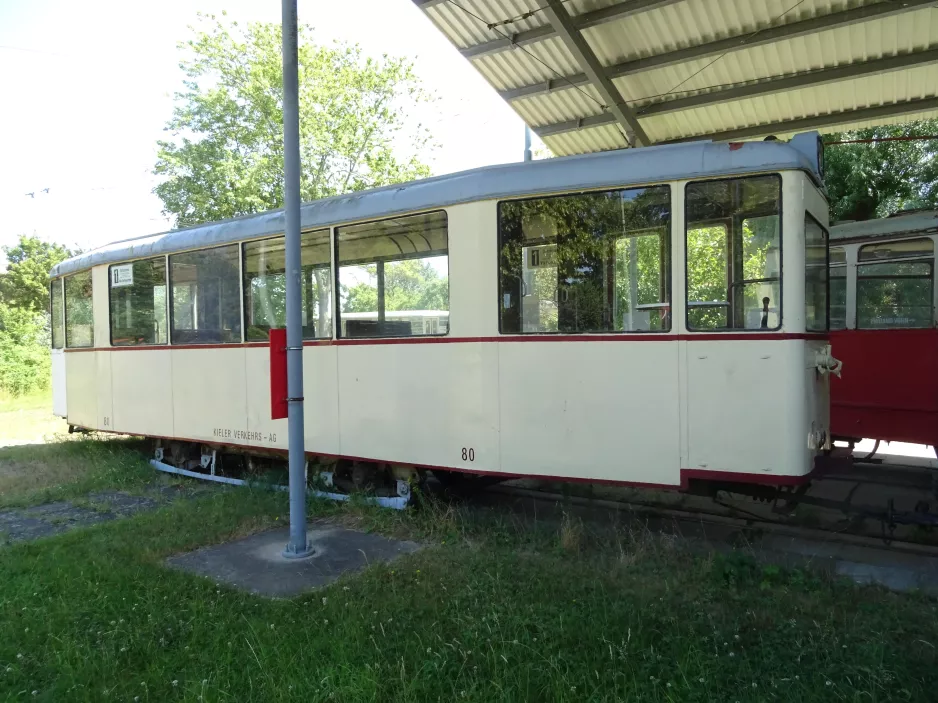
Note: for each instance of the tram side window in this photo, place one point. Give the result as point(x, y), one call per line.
point(895, 284)
point(205, 301)
point(838, 288)
point(58, 314)
point(138, 302)
point(815, 275)
point(265, 300)
point(734, 254)
point(79, 313)
point(393, 277)
point(589, 262)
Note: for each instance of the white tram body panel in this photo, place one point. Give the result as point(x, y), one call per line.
point(651, 408)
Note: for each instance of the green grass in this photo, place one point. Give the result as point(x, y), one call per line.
point(494, 608)
point(28, 419)
point(71, 466)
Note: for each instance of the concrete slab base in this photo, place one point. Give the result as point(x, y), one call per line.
point(257, 564)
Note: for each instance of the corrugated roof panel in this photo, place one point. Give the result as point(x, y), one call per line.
point(683, 24)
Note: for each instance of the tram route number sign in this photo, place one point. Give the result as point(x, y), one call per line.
point(122, 275)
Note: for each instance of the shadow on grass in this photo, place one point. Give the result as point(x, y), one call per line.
point(38, 473)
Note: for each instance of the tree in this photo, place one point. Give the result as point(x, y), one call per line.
point(412, 284)
point(24, 350)
point(865, 181)
point(226, 155)
point(25, 284)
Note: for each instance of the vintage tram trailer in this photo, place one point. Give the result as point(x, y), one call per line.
point(653, 317)
point(883, 329)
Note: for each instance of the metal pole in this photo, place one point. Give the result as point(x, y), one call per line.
point(527, 143)
point(297, 546)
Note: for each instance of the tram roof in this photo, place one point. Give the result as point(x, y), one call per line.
point(621, 168)
point(583, 73)
point(911, 223)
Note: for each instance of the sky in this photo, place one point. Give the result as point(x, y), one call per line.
point(86, 88)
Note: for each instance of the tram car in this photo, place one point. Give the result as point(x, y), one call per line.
point(654, 317)
point(883, 329)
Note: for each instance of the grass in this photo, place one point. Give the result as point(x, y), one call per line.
point(28, 419)
point(494, 608)
point(69, 467)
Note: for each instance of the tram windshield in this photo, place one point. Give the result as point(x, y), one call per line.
point(734, 251)
point(895, 284)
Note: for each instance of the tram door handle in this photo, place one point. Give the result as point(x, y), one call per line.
point(765, 313)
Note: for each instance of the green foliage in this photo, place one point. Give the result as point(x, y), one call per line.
point(226, 155)
point(24, 350)
point(412, 284)
point(25, 284)
point(865, 181)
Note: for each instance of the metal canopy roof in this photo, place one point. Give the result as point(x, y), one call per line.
point(590, 75)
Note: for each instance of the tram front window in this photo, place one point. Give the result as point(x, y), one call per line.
point(894, 284)
point(838, 287)
point(733, 242)
point(586, 262)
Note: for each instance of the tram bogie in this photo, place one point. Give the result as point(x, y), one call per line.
point(653, 317)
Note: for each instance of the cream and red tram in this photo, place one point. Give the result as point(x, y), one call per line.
point(652, 317)
point(883, 328)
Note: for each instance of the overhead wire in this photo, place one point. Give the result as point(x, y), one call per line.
point(493, 26)
point(550, 68)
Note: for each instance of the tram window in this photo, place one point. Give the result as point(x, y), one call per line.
point(734, 254)
point(590, 262)
point(58, 314)
point(138, 302)
point(815, 275)
point(265, 301)
point(393, 276)
point(895, 284)
point(79, 311)
point(205, 301)
point(838, 288)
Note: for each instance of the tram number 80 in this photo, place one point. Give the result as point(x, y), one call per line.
point(468, 454)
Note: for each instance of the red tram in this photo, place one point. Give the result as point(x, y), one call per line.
point(882, 318)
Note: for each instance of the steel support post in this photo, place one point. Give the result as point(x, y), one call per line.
point(297, 546)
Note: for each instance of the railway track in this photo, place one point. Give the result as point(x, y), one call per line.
point(739, 518)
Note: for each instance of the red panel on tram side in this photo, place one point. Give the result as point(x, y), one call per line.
point(889, 386)
point(278, 374)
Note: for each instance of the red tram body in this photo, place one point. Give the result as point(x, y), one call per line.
point(883, 329)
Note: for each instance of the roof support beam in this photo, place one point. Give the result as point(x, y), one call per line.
point(561, 22)
point(581, 22)
point(834, 119)
point(750, 90)
point(745, 40)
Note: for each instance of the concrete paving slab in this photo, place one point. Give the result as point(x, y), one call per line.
point(256, 563)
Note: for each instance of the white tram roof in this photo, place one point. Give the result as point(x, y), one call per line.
point(917, 222)
point(618, 168)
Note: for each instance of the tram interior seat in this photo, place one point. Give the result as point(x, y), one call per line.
point(201, 336)
point(376, 328)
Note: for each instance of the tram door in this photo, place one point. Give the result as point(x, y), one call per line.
point(733, 311)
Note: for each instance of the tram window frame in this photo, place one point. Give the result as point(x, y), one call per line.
point(779, 213)
point(810, 219)
point(928, 260)
point(237, 335)
point(842, 273)
point(382, 329)
point(57, 293)
point(111, 306)
point(89, 298)
point(663, 230)
point(309, 328)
